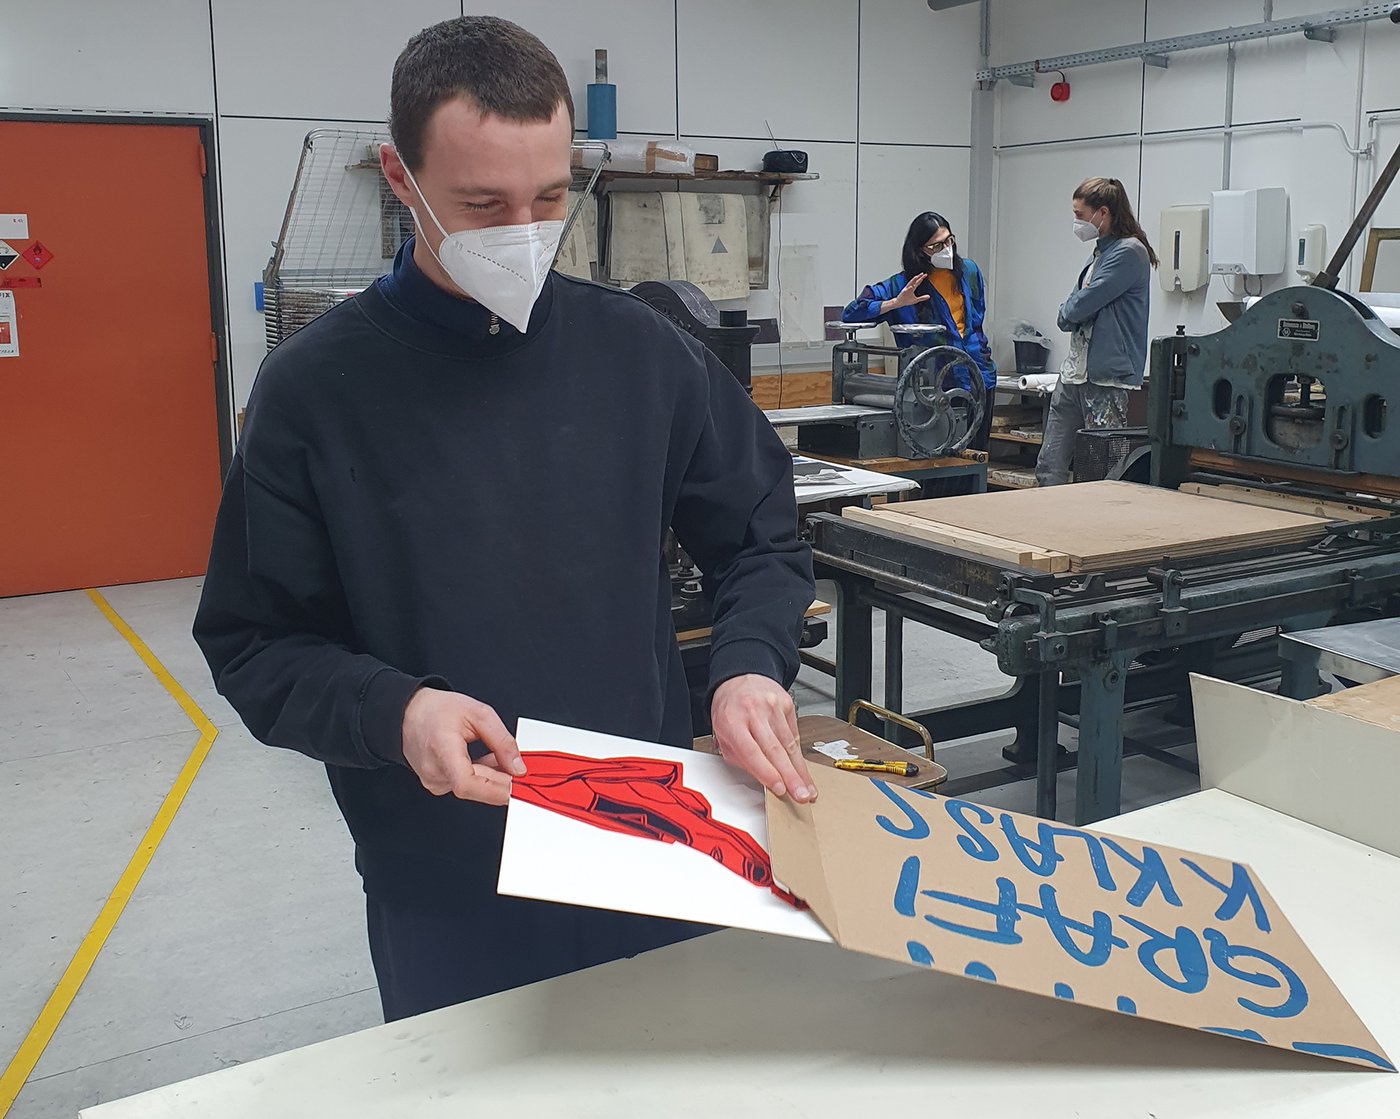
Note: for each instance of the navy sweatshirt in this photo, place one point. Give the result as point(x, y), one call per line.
point(415, 502)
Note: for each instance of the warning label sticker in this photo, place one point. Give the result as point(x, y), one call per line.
point(8, 255)
point(9, 327)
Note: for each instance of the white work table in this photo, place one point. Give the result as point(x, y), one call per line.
point(737, 1024)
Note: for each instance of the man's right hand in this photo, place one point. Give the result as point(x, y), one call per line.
point(908, 297)
point(437, 728)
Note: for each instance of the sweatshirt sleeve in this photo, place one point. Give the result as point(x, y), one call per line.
point(736, 515)
point(1114, 274)
point(273, 621)
point(866, 306)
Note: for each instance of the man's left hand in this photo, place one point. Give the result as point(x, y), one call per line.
point(755, 728)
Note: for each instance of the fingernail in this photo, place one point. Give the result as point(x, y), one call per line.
point(517, 767)
point(804, 793)
point(779, 789)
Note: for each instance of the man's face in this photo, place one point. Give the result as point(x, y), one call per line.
point(481, 170)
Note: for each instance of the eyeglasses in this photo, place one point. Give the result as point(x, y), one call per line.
point(939, 246)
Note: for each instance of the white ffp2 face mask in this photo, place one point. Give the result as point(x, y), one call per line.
point(502, 267)
point(1086, 230)
point(943, 258)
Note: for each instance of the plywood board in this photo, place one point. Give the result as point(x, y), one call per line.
point(1317, 761)
point(1377, 704)
point(1294, 503)
point(992, 547)
point(1062, 912)
point(1101, 525)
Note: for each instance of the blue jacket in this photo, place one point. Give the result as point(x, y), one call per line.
point(866, 308)
point(1115, 301)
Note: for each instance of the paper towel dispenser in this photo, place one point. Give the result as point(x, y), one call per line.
point(1249, 231)
point(1183, 245)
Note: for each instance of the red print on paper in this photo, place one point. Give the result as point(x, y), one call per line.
point(642, 797)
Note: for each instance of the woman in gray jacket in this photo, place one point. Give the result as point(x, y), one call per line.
point(1106, 319)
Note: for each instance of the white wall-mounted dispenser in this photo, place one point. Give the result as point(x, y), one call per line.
point(1311, 257)
point(1182, 248)
point(1249, 231)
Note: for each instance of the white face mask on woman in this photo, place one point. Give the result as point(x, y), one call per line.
point(943, 258)
point(1086, 230)
point(502, 267)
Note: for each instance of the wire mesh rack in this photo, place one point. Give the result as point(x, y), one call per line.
point(344, 224)
point(341, 230)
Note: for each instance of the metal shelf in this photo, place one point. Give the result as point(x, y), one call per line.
point(1319, 25)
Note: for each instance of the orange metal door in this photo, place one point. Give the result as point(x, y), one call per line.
point(109, 455)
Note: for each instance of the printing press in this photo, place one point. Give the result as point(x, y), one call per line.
point(1288, 402)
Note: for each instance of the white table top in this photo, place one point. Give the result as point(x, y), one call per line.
point(1363, 652)
point(737, 1024)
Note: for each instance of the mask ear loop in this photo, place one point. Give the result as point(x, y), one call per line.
point(419, 224)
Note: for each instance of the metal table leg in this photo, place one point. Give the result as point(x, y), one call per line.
point(853, 646)
point(1099, 787)
point(1301, 672)
point(1047, 745)
point(894, 669)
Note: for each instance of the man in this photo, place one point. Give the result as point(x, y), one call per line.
point(447, 510)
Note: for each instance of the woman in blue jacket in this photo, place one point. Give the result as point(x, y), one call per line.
point(937, 285)
point(1106, 319)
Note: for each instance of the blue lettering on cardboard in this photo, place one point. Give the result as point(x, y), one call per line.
point(1224, 954)
point(1099, 931)
point(1004, 910)
point(1040, 855)
point(1185, 945)
point(1152, 874)
point(1240, 890)
point(917, 827)
point(906, 890)
point(919, 954)
point(973, 841)
point(1323, 1049)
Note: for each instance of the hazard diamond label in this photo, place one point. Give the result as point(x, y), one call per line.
point(8, 255)
point(37, 254)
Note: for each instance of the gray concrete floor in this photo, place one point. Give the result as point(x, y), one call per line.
point(246, 935)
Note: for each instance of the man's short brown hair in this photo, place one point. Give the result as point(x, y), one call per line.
point(497, 64)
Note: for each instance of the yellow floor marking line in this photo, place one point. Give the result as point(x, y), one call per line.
point(41, 1033)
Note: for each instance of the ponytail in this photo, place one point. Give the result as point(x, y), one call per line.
point(1110, 193)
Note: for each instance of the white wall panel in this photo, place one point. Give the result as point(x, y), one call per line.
point(789, 62)
point(315, 59)
point(1027, 29)
point(1038, 257)
point(917, 72)
point(897, 184)
point(1190, 93)
point(1382, 76)
point(139, 56)
point(639, 36)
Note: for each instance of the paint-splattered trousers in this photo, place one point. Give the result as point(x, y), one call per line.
point(1073, 408)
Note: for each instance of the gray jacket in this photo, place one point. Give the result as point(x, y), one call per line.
point(1115, 301)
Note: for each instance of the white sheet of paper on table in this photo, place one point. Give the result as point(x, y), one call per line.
point(550, 857)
